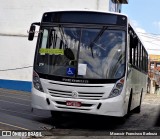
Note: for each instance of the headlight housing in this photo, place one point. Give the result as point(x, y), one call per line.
point(117, 89)
point(37, 82)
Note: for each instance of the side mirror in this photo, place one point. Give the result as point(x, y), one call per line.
point(31, 32)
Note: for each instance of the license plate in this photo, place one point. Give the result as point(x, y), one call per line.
point(73, 103)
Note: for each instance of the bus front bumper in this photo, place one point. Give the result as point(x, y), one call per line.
point(109, 107)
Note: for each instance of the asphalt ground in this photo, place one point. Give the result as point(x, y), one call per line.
point(15, 112)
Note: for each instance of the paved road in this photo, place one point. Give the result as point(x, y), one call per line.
point(15, 114)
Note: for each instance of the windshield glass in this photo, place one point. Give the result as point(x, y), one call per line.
point(89, 53)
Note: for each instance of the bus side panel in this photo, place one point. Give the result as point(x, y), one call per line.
point(136, 84)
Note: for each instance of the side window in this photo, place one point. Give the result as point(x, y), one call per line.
point(140, 62)
point(146, 63)
point(136, 51)
point(136, 56)
point(144, 60)
point(131, 50)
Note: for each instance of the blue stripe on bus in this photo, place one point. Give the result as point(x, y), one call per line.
point(16, 85)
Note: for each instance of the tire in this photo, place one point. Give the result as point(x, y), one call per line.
point(123, 119)
point(56, 114)
point(57, 118)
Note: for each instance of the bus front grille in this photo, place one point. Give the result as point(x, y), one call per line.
point(81, 95)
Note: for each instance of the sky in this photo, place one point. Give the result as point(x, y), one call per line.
point(145, 17)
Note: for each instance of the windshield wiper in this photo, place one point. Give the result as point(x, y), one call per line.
point(63, 36)
point(100, 33)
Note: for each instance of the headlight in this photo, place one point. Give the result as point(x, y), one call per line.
point(37, 82)
point(119, 86)
point(117, 89)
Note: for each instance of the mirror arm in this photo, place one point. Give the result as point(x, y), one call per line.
point(36, 23)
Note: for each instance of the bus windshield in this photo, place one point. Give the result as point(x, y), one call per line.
point(81, 52)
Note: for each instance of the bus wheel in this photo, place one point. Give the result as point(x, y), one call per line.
point(123, 119)
point(129, 104)
point(138, 109)
point(57, 116)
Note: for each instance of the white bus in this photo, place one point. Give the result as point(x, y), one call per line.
point(88, 62)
